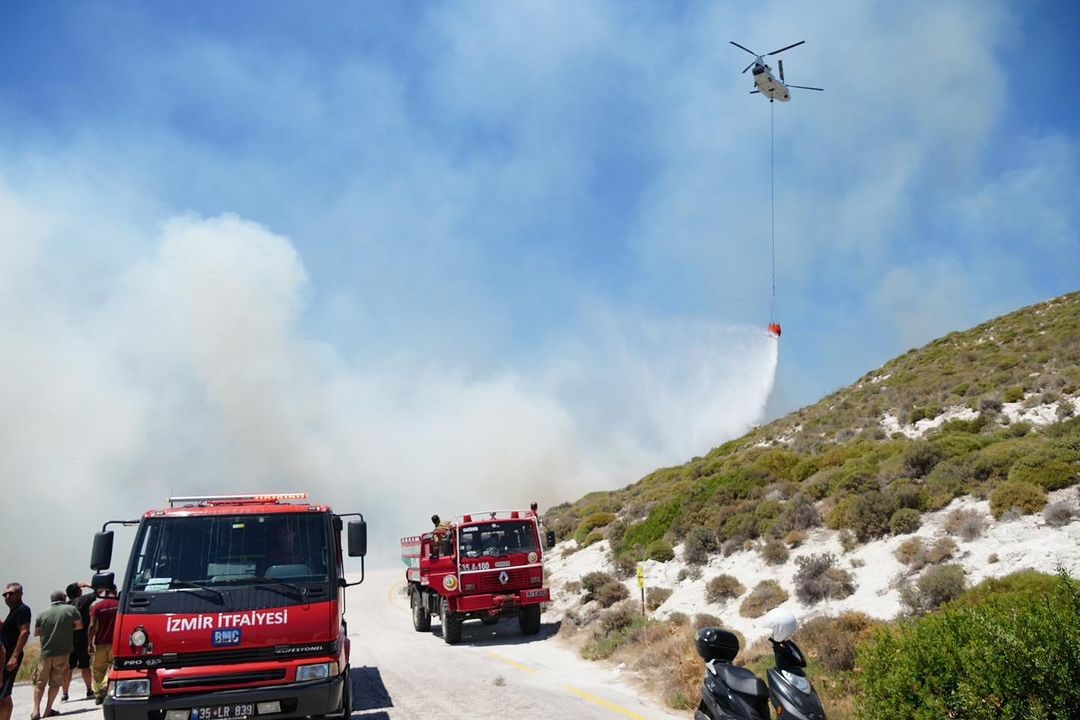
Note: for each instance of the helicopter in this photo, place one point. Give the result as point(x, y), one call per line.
point(766, 82)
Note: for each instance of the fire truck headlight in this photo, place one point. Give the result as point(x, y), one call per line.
point(131, 688)
point(138, 637)
point(316, 672)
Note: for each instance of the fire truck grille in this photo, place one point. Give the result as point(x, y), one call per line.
point(225, 657)
point(213, 680)
point(516, 579)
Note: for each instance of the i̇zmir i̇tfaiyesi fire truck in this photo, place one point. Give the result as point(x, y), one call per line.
point(232, 608)
point(484, 565)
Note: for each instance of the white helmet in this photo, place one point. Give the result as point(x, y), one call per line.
point(781, 623)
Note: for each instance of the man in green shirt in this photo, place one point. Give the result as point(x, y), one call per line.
point(56, 627)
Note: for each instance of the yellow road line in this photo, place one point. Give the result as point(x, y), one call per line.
point(512, 663)
point(589, 697)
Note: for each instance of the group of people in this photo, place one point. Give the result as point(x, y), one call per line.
point(75, 632)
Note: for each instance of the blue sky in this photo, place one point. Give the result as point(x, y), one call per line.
point(561, 207)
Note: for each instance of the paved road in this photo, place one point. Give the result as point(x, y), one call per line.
point(400, 674)
point(494, 673)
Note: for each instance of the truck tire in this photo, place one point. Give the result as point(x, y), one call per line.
point(421, 618)
point(346, 695)
point(451, 623)
point(529, 619)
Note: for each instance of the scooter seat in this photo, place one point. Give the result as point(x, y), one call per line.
point(741, 680)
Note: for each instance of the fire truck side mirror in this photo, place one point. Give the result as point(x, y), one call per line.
point(357, 538)
point(101, 555)
point(446, 546)
point(550, 538)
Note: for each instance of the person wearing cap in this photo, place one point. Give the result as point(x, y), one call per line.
point(102, 622)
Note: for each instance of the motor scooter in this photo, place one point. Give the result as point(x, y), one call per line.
point(734, 693)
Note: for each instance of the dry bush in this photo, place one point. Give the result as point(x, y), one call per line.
point(723, 587)
point(848, 541)
point(774, 552)
point(942, 549)
point(795, 538)
point(766, 595)
point(818, 578)
point(911, 552)
point(678, 618)
point(572, 586)
point(618, 617)
point(968, 524)
point(655, 597)
point(993, 558)
point(937, 585)
point(833, 640)
point(698, 543)
point(904, 521)
point(704, 620)
point(604, 588)
point(1058, 514)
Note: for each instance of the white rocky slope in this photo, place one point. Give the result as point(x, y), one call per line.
point(1004, 547)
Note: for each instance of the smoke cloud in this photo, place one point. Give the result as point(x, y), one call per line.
point(187, 370)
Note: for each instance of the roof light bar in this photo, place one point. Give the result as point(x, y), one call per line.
point(209, 499)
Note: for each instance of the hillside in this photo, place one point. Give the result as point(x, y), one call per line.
point(965, 414)
point(946, 477)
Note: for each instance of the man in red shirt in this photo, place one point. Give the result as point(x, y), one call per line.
point(100, 638)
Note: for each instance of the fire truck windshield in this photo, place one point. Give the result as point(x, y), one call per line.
point(498, 538)
point(204, 552)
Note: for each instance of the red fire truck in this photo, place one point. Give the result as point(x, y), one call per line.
point(232, 608)
point(485, 565)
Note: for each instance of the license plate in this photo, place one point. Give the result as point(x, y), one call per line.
point(223, 712)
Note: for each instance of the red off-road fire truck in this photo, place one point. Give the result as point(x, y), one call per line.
point(232, 608)
point(485, 565)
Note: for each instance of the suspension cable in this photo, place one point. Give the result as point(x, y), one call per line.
point(772, 211)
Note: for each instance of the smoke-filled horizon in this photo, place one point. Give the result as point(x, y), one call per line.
point(187, 371)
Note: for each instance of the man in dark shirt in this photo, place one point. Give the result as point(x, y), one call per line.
point(80, 654)
point(14, 634)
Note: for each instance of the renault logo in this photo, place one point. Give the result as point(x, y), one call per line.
point(503, 577)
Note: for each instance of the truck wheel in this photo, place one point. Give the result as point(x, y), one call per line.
point(529, 619)
point(346, 695)
point(451, 624)
point(421, 618)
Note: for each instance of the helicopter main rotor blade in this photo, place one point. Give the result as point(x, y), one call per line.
point(749, 66)
point(743, 48)
point(774, 52)
point(805, 87)
point(754, 91)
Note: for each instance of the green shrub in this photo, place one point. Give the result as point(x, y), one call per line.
point(1013, 394)
point(905, 520)
point(699, 542)
point(766, 595)
point(920, 457)
point(592, 522)
point(723, 587)
point(594, 537)
point(739, 526)
point(653, 527)
point(868, 515)
point(1002, 657)
point(659, 550)
point(603, 587)
point(1050, 469)
point(1025, 497)
point(818, 578)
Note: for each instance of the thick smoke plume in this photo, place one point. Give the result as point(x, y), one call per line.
point(188, 371)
